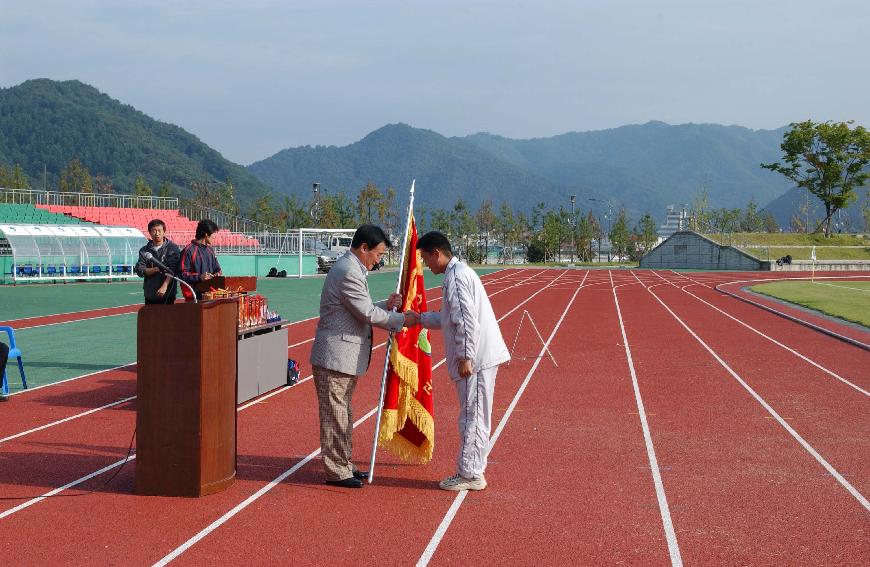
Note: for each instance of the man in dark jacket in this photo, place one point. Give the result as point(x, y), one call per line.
point(198, 259)
point(158, 287)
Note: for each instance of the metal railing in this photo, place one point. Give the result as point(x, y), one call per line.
point(40, 197)
point(224, 219)
point(265, 242)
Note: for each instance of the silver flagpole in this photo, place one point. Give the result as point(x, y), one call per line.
point(390, 338)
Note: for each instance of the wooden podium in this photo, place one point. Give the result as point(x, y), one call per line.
point(186, 417)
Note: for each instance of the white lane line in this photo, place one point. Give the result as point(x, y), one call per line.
point(247, 501)
point(64, 420)
point(429, 300)
point(427, 554)
point(301, 343)
point(777, 343)
point(60, 489)
point(22, 329)
point(824, 330)
point(34, 388)
point(664, 509)
point(17, 322)
point(254, 402)
point(809, 448)
point(85, 478)
point(133, 363)
point(251, 499)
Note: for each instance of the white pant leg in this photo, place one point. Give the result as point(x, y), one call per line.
point(475, 395)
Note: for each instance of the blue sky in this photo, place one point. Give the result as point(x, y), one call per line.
point(251, 78)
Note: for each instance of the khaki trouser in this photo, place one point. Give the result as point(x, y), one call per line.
point(334, 392)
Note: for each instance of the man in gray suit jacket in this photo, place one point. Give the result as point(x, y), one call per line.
point(343, 347)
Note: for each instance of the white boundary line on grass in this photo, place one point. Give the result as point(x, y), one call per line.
point(435, 541)
point(791, 431)
point(843, 286)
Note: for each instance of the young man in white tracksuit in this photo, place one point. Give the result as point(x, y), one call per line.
point(474, 349)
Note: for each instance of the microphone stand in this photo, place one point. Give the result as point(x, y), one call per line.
point(149, 257)
point(179, 280)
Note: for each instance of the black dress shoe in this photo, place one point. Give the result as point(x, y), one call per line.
point(362, 475)
point(349, 482)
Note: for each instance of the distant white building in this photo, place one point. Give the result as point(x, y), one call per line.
point(675, 221)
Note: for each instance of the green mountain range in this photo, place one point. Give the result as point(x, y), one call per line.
point(44, 124)
point(445, 169)
point(643, 168)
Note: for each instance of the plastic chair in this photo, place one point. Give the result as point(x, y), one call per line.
point(13, 352)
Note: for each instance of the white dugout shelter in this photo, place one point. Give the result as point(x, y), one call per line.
point(69, 252)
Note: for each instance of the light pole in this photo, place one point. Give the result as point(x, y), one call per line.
point(573, 223)
point(599, 232)
point(607, 217)
point(315, 204)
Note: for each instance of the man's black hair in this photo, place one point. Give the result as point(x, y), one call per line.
point(156, 222)
point(435, 240)
point(370, 234)
point(206, 227)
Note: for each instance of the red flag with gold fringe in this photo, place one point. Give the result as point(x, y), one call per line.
point(408, 419)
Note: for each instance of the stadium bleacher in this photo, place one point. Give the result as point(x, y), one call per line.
point(13, 213)
point(176, 223)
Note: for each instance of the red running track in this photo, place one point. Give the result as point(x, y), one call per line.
point(39, 407)
point(571, 474)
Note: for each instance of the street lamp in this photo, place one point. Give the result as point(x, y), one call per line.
point(573, 223)
point(599, 232)
point(315, 204)
point(607, 217)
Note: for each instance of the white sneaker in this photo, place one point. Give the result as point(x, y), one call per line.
point(457, 482)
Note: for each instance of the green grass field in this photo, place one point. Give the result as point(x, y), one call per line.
point(848, 300)
point(786, 239)
point(799, 246)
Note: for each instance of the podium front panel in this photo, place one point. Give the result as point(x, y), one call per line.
point(186, 409)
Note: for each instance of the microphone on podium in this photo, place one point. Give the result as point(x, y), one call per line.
point(151, 258)
point(148, 256)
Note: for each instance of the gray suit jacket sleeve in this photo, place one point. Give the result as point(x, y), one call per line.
point(354, 294)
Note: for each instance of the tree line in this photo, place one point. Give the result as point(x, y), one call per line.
point(828, 160)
